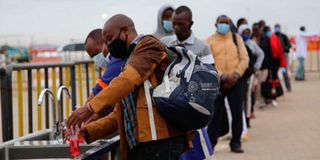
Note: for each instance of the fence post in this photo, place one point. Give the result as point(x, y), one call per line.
point(46, 85)
point(73, 86)
point(87, 80)
point(6, 105)
point(30, 111)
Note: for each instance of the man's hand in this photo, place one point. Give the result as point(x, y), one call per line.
point(230, 80)
point(80, 115)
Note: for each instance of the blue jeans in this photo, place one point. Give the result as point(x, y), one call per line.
point(286, 75)
point(165, 149)
point(300, 69)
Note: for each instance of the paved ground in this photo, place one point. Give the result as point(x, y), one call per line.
point(290, 131)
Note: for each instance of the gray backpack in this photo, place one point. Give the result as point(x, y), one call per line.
point(187, 93)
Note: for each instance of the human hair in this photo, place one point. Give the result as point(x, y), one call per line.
point(185, 9)
point(277, 25)
point(240, 21)
point(255, 30)
point(223, 15)
point(168, 9)
point(266, 28)
point(255, 25)
point(262, 23)
point(95, 35)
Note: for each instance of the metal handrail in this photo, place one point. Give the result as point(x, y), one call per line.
point(68, 76)
point(110, 146)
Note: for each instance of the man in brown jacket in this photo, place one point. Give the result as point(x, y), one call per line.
point(144, 133)
point(231, 62)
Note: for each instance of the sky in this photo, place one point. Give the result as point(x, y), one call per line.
point(23, 22)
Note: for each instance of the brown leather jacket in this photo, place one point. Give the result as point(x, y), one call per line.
point(147, 61)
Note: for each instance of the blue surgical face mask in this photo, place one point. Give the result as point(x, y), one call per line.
point(100, 60)
point(277, 29)
point(245, 37)
point(268, 34)
point(223, 28)
point(167, 25)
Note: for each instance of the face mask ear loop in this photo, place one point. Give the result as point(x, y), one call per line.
point(127, 47)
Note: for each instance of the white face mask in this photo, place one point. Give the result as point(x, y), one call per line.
point(100, 60)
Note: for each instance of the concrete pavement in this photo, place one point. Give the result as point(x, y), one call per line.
point(290, 131)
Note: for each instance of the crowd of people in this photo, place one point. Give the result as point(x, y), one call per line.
point(247, 58)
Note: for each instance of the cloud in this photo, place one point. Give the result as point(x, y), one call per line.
point(57, 21)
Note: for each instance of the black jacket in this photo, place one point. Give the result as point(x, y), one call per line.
point(265, 46)
point(285, 43)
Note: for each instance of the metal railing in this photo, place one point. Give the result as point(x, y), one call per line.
point(41, 75)
point(313, 61)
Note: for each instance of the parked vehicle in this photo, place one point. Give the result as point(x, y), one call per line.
point(44, 53)
point(74, 51)
point(17, 54)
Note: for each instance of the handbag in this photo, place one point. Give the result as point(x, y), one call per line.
point(271, 88)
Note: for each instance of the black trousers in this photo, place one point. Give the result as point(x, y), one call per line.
point(275, 68)
point(235, 99)
point(166, 149)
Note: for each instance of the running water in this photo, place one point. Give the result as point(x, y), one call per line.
point(74, 140)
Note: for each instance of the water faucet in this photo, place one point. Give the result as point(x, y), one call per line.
point(59, 99)
point(40, 100)
point(62, 122)
point(55, 122)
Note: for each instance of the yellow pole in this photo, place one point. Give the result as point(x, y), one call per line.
point(54, 89)
point(80, 83)
point(93, 74)
point(54, 80)
point(67, 84)
point(39, 109)
point(20, 104)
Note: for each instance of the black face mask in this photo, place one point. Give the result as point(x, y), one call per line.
point(118, 48)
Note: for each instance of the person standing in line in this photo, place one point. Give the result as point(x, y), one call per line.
point(277, 59)
point(264, 43)
point(182, 23)
point(164, 23)
point(231, 61)
point(245, 32)
point(286, 45)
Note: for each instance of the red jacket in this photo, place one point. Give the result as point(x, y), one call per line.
point(277, 51)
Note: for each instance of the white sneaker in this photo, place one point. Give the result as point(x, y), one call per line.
point(274, 103)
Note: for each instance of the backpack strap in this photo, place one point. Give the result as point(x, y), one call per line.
point(203, 143)
point(192, 58)
point(147, 86)
point(234, 39)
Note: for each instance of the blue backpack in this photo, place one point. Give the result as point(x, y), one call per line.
point(202, 148)
point(188, 90)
